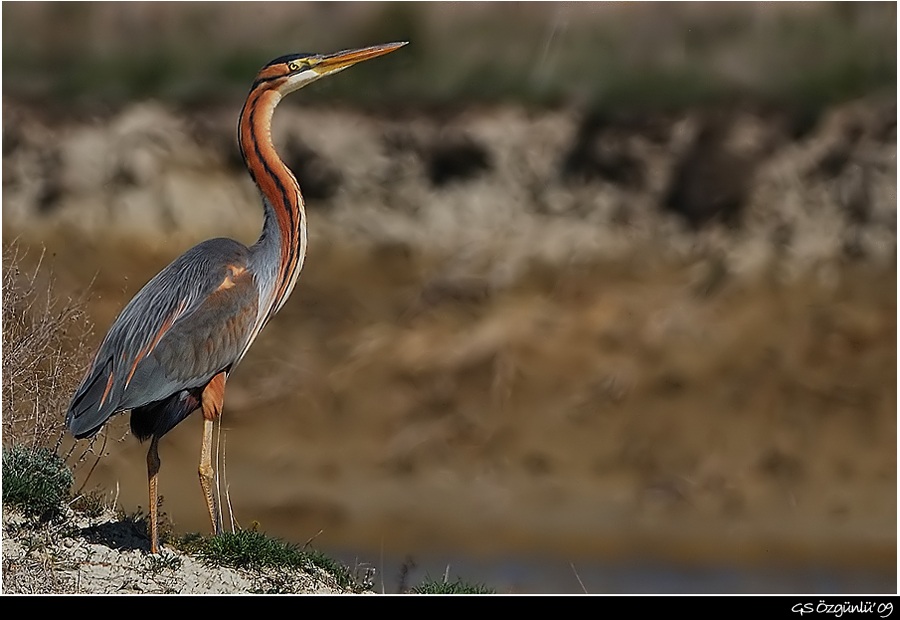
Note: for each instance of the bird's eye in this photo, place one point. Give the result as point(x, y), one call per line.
point(293, 66)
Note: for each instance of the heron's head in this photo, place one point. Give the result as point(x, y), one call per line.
point(288, 73)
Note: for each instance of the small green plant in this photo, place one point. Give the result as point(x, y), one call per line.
point(161, 562)
point(254, 550)
point(250, 549)
point(432, 586)
point(36, 480)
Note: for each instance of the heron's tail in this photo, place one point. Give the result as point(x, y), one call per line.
point(93, 402)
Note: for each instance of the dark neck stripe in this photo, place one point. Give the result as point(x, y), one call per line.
point(266, 170)
point(264, 80)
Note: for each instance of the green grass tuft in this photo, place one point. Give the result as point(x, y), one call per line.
point(431, 586)
point(254, 550)
point(36, 480)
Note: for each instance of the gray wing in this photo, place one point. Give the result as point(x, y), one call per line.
point(187, 324)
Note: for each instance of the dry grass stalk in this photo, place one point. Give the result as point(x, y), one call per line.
point(44, 352)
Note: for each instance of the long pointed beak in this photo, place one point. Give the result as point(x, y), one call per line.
point(338, 61)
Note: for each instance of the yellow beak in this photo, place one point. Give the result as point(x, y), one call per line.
point(341, 60)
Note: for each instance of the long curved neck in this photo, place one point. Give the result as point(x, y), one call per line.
point(281, 247)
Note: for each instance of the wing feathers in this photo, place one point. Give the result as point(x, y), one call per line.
point(86, 413)
point(188, 323)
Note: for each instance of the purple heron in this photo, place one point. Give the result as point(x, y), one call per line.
point(173, 346)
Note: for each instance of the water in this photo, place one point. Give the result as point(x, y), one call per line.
point(533, 575)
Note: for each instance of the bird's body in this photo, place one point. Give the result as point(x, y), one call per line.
point(171, 349)
point(186, 325)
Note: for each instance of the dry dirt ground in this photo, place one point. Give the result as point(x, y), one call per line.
point(107, 555)
point(519, 332)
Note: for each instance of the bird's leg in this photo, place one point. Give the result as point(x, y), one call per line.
point(212, 400)
point(207, 475)
point(152, 470)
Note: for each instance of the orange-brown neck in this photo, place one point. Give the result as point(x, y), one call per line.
point(284, 209)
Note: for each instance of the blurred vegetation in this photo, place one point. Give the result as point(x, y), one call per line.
point(654, 55)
